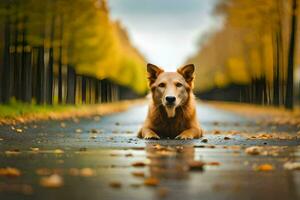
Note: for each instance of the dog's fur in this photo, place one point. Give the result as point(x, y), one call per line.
point(171, 120)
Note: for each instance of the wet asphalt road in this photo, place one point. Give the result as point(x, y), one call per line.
point(108, 146)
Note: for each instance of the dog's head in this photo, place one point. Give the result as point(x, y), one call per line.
point(171, 89)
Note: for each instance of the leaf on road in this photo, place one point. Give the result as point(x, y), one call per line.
point(196, 165)
point(93, 130)
point(216, 132)
point(204, 140)
point(63, 125)
point(138, 164)
point(10, 172)
point(87, 172)
point(151, 181)
point(53, 181)
point(254, 150)
point(34, 149)
point(138, 174)
point(264, 167)
point(115, 184)
point(18, 130)
point(292, 165)
point(214, 163)
point(58, 151)
point(78, 130)
point(13, 152)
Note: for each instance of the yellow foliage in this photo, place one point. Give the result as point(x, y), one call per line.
point(237, 71)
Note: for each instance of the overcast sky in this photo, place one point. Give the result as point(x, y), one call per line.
point(165, 31)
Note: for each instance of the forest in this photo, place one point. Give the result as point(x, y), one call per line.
point(65, 51)
point(252, 57)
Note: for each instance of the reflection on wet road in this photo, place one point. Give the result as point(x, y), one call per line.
point(103, 159)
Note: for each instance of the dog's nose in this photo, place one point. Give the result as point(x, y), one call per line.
point(170, 99)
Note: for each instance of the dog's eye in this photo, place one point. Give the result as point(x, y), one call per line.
point(179, 85)
point(162, 85)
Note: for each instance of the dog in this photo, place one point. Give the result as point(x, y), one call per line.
point(172, 110)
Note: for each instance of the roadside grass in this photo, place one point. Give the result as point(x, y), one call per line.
point(15, 109)
point(15, 112)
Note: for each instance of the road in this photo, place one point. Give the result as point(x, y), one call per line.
point(94, 157)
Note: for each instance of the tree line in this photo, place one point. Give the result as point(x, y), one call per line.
point(65, 51)
point(252, 56)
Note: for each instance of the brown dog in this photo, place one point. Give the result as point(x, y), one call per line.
point(172, 112)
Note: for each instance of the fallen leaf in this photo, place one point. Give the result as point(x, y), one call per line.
point(18, 130)
point(13, 152)
point(292, 165)
point(93, 130)
point(138, 174)
point(93, 137)
point(53, 181)
point(151, 181)
point(83, 149)
point(254, 150)
point(204, 140)
point(63, 125)
point(138, 164)
point(78, 130)
point(87, 172)
point(264, 167)
point(35, 149)
point(115, 184)
point(58, 151)
point(213, 163)
point(196, 165)
point(10, 172)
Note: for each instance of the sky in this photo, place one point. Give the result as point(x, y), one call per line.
point(166, 32)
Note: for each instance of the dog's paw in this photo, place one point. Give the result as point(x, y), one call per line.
point(185, 136)
point(151, 136)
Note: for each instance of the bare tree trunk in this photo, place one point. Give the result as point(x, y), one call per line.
point(83, 89)
point(60, 84)
point(50, 65)
point(40, 93)
point(71, 85)
point(289, 104)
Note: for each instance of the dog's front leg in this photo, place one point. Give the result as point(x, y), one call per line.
point(147, 133)
point(192, 133)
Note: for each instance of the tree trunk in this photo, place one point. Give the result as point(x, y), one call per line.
point(51, 64)
point(83, 89)
point(289, 104)
point(60, 84)
point(71, 85)
point(40, 87)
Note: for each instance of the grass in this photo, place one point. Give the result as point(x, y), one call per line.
point(23, 112)
point(16, 109)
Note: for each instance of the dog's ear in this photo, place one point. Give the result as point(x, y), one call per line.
point(153, 72)
point(187, 72)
